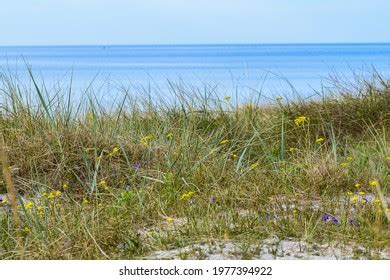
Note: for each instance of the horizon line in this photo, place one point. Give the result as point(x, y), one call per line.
point(197, 44)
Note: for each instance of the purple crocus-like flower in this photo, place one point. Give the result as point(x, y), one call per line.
point(352, 221)
point(213, 200)
point(137, 165)
point(1, 199)
point(325, 217)
point(329, 218)
point(335, 220)
point(367, 199)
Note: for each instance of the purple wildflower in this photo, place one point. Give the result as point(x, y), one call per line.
point(335, 220)
point(267, 216)
point(352, 221)
point(329, 218)
point(1, 199)
point(137, 165)
point(213, 200)
point(325, 217)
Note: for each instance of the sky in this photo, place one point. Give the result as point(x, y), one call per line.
point(111, 22)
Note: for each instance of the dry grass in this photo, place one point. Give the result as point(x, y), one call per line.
point(110, 183)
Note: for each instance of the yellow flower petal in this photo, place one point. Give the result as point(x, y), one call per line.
point(373, 183)
point(223, 142)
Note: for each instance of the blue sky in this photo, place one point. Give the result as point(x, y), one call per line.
point(67, 22)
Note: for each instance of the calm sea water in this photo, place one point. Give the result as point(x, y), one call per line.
point(230, 67)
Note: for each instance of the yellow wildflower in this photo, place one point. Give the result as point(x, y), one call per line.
point(387, 158)
point(145, 141)
point(187, 196)
point(291, 150)
point(378, 202)
point(373, 183)
point(114, 151)
point(349, 193)
point(361, 193)
point(349, 158)
point(44, 194)
point(169, 136)
point(227, 98)
point(234, 156)
point(223, 142)
point(26, 230)
point(4, 201)
point(278, 98)
point(170, 219)
point(40, 211)
point(357, 185)
point(53, 194)
point(254, 165)
point(344, 164)
point(89, 116)
point(354, 198)
point(29, 205)
point(319, 140)
point(103, 184)
point(65, 186)
point(85, 202)
point(301, 120)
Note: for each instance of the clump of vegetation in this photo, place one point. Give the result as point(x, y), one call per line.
point(146, 175)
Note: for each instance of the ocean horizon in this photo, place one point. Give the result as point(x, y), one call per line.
point(271, 69)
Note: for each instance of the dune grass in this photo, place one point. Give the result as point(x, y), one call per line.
point(147, 175)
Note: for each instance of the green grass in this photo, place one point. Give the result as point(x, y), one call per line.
point(269, 178)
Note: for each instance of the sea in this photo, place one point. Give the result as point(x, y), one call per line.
point(238, 70)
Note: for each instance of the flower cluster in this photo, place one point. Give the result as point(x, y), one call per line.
point(145, 141)
point(373, 183)
point(223, 142)
point(52, 195)
point(103, 185)
point(347, 162)
point(187, 196)
point(89, 117)
point(301, 120)
point(234, 156)
point(320, 140)
point(40, 211)
point(29, 205)
point(114, 151)
point(330, 218)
